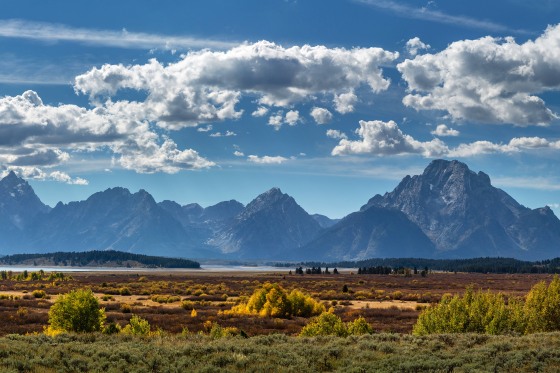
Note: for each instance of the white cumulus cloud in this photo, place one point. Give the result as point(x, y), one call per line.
point(207, 128)
point(344, 102)
point(442, 130)
point(267, 159)
point(260, 112)
point(33, 134)
point(206, 86)
point(515, 145)
point(321, 115)
point(36, 173)
point(386, 138)
point(487, 80)
point(336, 134)
point(276, 120)
point(292, 117)
point(414, 45)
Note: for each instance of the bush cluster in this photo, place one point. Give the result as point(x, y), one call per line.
point(273, 300)
point(485, 312)
point(327, 323)
point(77, 311)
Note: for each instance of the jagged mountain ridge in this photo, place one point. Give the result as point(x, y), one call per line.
point(447, 211)
point(112, 219)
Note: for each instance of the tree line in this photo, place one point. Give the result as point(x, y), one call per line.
point(474, 265)
point(98, 258)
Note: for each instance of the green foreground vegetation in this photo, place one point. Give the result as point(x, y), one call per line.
point(271, 353)
point(486, 312)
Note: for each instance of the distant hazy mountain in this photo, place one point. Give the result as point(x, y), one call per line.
point(222, 211)
point(272, 226)
point(113, 219)
point(465, 216)
point(324, 221)
point(202, 223)
point(371, 233)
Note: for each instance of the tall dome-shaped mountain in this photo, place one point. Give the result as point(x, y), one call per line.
point(269, 227)
point(465, 216)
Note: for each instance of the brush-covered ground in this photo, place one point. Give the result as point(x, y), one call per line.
point(281, 353)
point(390, 303)
point(182, 342)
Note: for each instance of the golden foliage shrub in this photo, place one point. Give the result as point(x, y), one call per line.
point(274, 301)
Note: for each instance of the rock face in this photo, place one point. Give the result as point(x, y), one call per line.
point(465, 216)
point(272, 226)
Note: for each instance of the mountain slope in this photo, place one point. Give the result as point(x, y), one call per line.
point(465, 216)
point(372, 233)
point(270, 227)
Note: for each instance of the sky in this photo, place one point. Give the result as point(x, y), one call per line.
point(331, 101)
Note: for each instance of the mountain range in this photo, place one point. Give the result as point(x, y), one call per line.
point(448, 211)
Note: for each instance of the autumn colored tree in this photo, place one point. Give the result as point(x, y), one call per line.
point(77, 311)
point(542, 307)
point(274, 301)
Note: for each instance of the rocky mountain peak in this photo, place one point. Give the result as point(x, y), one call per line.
point(443, 175)
point(11, 177)
point(19, 205)
point(14, 184)
point(266, 200)
point(459, 209)
point(273, 222)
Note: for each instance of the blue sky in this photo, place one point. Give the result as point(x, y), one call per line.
point(333, 102)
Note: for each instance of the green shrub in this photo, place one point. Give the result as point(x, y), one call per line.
point(485, 312)
point(137, 326)
point(77, 311)
point(473, 312)
point(112, 328)
point(359, 327)
point(217, 331)
point(542, 307)
point(330, 324)
point(326, 323)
